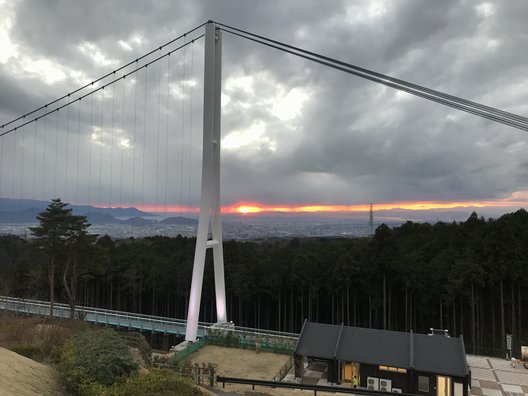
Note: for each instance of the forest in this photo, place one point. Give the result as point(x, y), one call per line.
point(468, 277)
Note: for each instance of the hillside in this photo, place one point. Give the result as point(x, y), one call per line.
point(22, 376)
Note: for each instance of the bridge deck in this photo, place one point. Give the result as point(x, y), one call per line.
point(121, 319)
point(102, 316)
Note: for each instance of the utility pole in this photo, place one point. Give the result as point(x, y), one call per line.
point(371, 221)
point(210, 194)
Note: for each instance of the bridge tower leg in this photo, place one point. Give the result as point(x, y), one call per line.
point(210, 195)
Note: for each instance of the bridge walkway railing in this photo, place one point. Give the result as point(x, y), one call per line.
point(121, 319)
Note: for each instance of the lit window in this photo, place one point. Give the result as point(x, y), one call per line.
point(394, 369)
point(423, 383)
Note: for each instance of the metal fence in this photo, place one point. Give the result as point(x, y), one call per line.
point(284, 370)
point(121, 319)
point(269, 342)
point(241, 337)
point(266, 332)
point(204, 374)
point(290, 385)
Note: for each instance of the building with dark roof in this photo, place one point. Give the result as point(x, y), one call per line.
point(384, 360)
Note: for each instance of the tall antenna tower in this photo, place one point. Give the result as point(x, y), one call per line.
point(371, 221)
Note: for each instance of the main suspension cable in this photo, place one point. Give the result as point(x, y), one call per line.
point(478, 109)
point(96, 89)
point(106, 75)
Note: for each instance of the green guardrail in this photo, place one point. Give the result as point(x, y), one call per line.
point(240, 339)
point(236, 342)
point(190, 349)
point(246, 340)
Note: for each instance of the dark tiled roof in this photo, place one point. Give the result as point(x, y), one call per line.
point(318, 340)
point(439, 354)
point(434, 354)
point(374, 346)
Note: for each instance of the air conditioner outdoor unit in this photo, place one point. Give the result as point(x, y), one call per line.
point(396, 390)
point(372, 383)
point(385, 385)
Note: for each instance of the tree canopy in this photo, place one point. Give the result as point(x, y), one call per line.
point(468, 277)
point(62, 235)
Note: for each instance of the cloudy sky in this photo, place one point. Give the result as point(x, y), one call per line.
point(295, 134)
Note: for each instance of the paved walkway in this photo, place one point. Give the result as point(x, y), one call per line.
point(495, 377)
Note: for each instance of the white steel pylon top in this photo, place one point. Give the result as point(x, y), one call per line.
point(210, 195)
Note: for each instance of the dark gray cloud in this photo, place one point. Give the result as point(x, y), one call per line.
point(294, 132)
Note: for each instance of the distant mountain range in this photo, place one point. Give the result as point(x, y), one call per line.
point(16, 205)
point(15, 211)
point(179, 220)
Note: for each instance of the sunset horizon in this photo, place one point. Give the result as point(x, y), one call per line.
point(516, 201)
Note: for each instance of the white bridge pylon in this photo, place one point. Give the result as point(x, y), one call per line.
point(210, 194)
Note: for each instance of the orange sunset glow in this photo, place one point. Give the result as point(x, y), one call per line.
point(517, 199)
point(252, 208)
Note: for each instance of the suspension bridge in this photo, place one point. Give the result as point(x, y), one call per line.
point(126, 139)
point(125, 320)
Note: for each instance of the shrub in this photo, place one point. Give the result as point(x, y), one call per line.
point(32, 350)
point(138, 340)
point(95, 357)
point(157, 382)
point(37, 338)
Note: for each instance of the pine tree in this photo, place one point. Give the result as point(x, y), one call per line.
point(58, 233)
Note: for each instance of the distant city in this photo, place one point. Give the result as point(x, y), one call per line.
point(244, 229)
point(16, 216)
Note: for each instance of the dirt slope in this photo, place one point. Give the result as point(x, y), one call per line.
point(22, 376)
